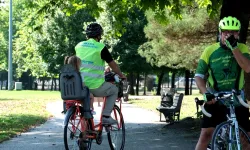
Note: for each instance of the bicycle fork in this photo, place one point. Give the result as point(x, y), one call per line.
point(234, 132)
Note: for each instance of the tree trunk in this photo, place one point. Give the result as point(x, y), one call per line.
point(6, 85)
point(145, 84)
point(137, 83)
point(168, 79)
point(1, 81)
point(132, 91)
point(173, 80)
point(187, 75)
point(52, 84)
point(191, 86)
point(55, 87)
point(160, 77)
point(30, 82)
point(43, 83)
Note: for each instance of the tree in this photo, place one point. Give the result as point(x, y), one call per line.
point(3, 38)
point(178, 44)
point(43, 47)
point(3, 53)
point(126, 50)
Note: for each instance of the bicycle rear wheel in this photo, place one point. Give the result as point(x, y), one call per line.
point(221, 138)
point(74, 138)
point(116, 132)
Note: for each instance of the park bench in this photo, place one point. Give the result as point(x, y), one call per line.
point(172, 113)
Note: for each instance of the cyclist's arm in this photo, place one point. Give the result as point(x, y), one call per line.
point(201, 71)
point(115, 68)
point(105, 55)
point(201, 84)
point(241, 58)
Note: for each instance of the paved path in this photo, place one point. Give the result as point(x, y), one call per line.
point(143, 132)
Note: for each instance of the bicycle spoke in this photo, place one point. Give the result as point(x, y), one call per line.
point(73, 134)
point(224, 139)
point(74, 138)
point(116, 132)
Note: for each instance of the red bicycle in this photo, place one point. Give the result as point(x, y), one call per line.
point(79, 132)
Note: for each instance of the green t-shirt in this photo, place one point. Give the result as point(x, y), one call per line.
point(221, 67)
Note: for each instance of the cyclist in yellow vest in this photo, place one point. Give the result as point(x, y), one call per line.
point(93, 55)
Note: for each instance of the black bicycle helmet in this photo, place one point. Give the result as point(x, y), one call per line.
point(93, 30)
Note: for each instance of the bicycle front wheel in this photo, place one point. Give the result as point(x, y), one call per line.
point(223, 139)
point(74, 138)
point(116, 132)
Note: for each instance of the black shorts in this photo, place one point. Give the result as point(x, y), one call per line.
point(219, 112)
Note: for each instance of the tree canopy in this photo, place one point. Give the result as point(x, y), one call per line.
point(179, 43)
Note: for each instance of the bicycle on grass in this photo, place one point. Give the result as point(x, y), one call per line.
point(228, 135)
point(79, 132)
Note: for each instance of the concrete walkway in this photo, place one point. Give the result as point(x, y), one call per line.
point(143, 131)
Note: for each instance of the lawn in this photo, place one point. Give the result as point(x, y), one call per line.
point(20, 110)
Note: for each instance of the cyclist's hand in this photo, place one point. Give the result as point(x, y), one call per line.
point(209, 98)
point(231, 42)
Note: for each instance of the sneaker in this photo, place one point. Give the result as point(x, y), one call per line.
point(108, 121)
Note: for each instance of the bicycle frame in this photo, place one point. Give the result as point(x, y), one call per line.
point(231, 117)
point(86, 126)
point(99, 125)
point(233, 120)
point(97, 128)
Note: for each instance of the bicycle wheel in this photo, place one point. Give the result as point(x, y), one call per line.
point(221, 138)
point(74, 139)
point(116, 132)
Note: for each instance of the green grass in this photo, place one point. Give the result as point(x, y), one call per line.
point(188, 108)
point(20, 110)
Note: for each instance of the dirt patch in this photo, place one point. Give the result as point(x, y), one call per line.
point(189, 126)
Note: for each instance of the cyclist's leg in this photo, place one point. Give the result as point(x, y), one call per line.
point(208, 124)
point(110, 91)
point(242, 115)
point(91, 101)
point(204, 139)
point(87, 105)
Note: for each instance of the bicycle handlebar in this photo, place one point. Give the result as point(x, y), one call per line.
point(218, 97)
point(112, 76)
point(242, 102)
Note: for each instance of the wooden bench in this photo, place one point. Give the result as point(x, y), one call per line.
point(172, 113)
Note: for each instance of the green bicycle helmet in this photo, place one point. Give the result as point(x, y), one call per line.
point(229, 23)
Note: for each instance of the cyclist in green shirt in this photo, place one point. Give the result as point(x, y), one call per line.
point(225, 63)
